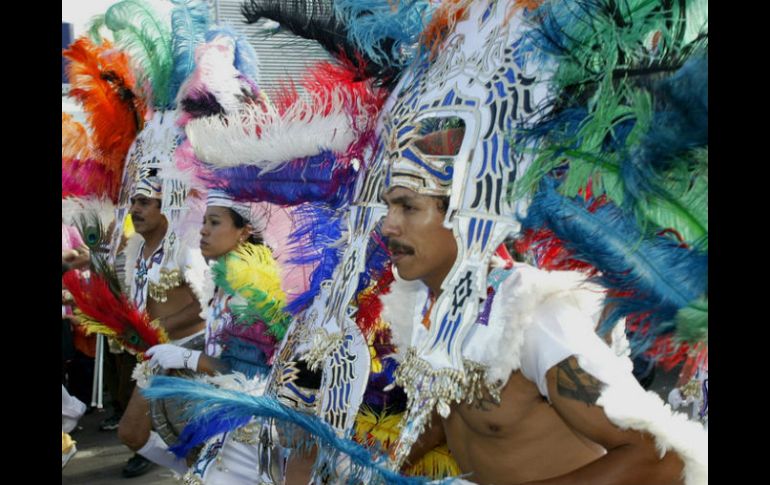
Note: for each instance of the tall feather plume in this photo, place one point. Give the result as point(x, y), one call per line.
point(680, 203)
point(679, 124)
point(216, 410)
point(628, 101)
point(315, 241)
point(138, 29)
point(189, 23)
point(216, 86)
point(92, 231)
point(442, 22)
point(658, 275)
point(103, 83)
point(246, 59)
point(319, 21)
point(385, 31)
point(318, 178)
point(377, 261)
point(267, 139)
point(628, 119)
point(75, 142)
point(327, 174)
point(83, 175)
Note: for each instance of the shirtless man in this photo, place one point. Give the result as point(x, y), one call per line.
point(561, 437)
point(177, 309)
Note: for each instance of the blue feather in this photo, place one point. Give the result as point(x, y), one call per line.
point(217, 410)
point(662, 275)
point(318, 229)
point(246, 60)
point(385, 30)
point(244, 357)
point(680, 123)
point(312, 179)
point(376, 259)
point(189, 21)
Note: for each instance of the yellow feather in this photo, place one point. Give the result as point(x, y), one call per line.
point(128, 226)
point(253, 266)
point(437, 463)
point(92, 326)
point(383, 430)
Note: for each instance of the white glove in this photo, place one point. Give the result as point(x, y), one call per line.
point(169, 356)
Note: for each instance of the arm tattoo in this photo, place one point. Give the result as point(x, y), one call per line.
point(575, 383)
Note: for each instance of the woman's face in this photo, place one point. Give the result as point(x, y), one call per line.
point(219, 235)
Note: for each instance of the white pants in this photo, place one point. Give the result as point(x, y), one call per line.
point(72, 409)
point(235, 464)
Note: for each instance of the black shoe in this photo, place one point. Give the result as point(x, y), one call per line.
point(110, 423)
point(137, 465)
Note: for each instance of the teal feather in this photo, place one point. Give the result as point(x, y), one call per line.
point(189, 23)
point(139, 30)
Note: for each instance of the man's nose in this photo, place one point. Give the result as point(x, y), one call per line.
point(390, 226)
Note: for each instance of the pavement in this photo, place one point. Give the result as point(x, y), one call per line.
point(101, 456)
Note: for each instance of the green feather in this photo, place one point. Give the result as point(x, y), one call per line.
point(148, 40)
point(94, 25)
point(258, 304)
point(692, 322)
point(92, 232)
point(683, 205)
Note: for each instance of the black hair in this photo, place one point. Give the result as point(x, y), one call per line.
point(443, 204)
point(240, 223)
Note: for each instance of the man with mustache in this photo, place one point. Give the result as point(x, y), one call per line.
point(162, 288)
point(503, 361)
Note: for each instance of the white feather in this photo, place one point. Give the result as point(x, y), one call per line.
point(628, 406)
point(73, 207)
point(398, 309)
point(300, 132)
point(214, 72)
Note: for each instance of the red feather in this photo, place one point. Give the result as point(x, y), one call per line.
point(94, 298)
point(360, 96)
point(369, 304)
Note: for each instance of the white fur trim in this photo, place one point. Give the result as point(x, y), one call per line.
point(628, 406)
point(516, 304)
point(398, 308)
point(298, 133)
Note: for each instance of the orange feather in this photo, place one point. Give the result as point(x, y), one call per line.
point(103, 82)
